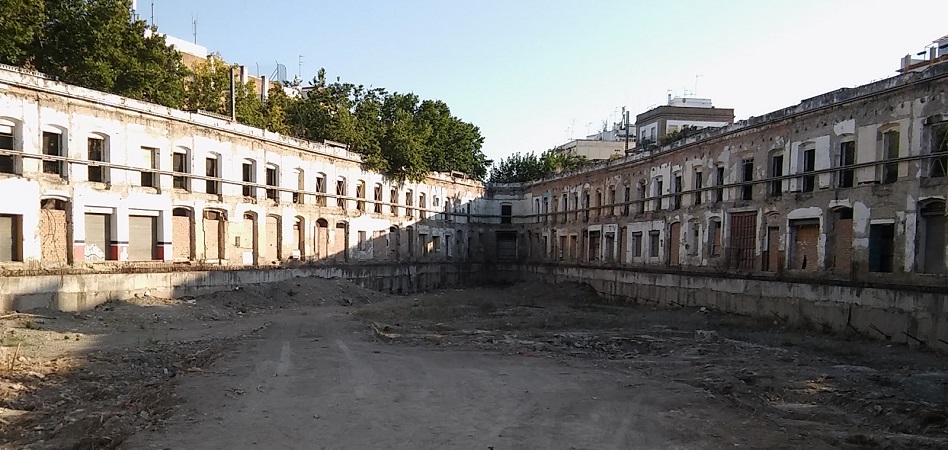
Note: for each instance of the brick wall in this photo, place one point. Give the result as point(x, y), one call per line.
point(52, 234)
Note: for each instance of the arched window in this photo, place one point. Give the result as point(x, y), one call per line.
point(273, 182)
point(9, 140)
point(97, 151)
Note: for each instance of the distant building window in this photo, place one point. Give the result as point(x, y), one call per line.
point(747, 176)
point(96, 154)
point(653, 243)
point(273, 182)
point(249, 176)
point(149, 157)
point(341, 193)
point(699, 184)
point(52, 146)
point(506, 213)
point(212, 169)
point(776, 171)
point(8, 163)
point(180, 167)
point(637, 244)
point(847, 157)
point(809, 165)
point(890, 149)
point(719, 182)
point(939, 149)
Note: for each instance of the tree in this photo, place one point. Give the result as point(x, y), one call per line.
point(21, 24)
point(522, 168)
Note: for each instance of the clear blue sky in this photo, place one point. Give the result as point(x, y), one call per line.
point(531, 73)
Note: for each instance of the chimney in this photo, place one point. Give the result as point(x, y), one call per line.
point(933, 53)
point(906, 61)
point(243, 74)
point(264, 88)
point(233, 94)
point(669, 98)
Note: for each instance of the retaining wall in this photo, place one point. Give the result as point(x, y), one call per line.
point(85, 291)
point(899, 315)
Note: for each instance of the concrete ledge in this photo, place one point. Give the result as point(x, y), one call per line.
point(83, 292)
point(881, 313)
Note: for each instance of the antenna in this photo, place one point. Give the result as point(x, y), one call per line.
point(696, 85)
point(194, 27)
point(152, 12)
point(299, 70)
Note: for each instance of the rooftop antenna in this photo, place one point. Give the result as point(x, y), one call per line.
point(299, 70)
point(194, 28)
point(696, 85)
point(152, 12)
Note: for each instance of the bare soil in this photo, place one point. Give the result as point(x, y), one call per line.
point(315, 363)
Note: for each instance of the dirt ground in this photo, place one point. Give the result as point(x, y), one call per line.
point(314, 363)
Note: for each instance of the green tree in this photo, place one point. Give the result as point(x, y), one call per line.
point(521, 168)
point(21, 25)
point(95, 44)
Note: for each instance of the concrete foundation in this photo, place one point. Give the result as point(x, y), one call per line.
point(898, 315)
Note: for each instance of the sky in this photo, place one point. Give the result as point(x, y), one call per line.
point(533, 74)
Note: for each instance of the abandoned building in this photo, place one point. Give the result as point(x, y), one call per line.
point(829, 211)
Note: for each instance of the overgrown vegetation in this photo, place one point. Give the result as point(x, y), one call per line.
point(96, 44)
point(521, 168)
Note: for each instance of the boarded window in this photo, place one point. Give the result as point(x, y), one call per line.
point(393, 197)
point(842, 239)
point(715, 231)
point(360, 195)
point(881, 247)
point(54, 246)
point(805, 236)
point(743, 241)
point(11, 237)
point(320, 189)
point(213, 232)
point(298, 197)
point(98, 233)
point(181, 236)
point(377, 196)
point(142, 234)
point(341, 193)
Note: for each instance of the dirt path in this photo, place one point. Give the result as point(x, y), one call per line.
point(319, 381)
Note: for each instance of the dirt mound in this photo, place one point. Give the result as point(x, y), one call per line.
point(310, 291)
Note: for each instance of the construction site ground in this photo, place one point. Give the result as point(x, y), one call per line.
point(324, 364)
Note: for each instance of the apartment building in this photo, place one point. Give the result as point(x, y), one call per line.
point(849, 185)
point(95, 181)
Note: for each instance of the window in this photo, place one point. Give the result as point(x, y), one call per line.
point(273, 179)
point(360, 195)
point(637, 244)
point(299, 197)
point(52, 146)
point(565, 207)
point(506, 211)
point(653, 242)
point(747, 176)
point(546, 209)
point(436, 244)
point(642, 196)
point(576, 206)
point(212, 169)
point(657, 193)
point(320, 189)
point(180, 167)
point(742, 242)
point(363, 241)
point(676, 200)
point(423, 240)
point(95, 151)
point(409, 211)
point(612, 200)
point(699, 184)
point(939, 163)
point(598, 203)
point(776, 171)
point(847, 157)
point(627, 196)
point(8, 163)
point(422, 206)
point(719, 181)
point(149, 156)
point(931, 230)
point(249, 175)
point(586, 206)
point(881, 247)
point(714, 232)
point(341, 193)
point(890, 149)
point(809, 162)
point(393, 196)
point(377, 196)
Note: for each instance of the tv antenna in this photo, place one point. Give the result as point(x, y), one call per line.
point(299, 70)
point(194, 28)
point(152, 12)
